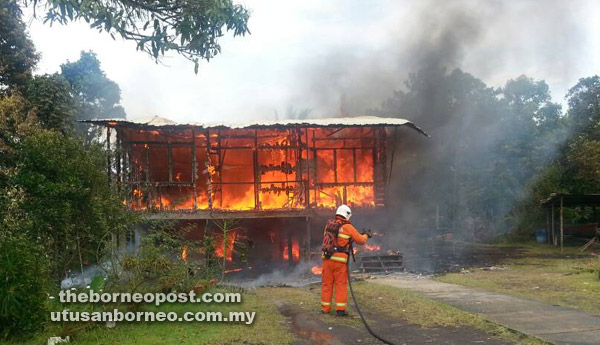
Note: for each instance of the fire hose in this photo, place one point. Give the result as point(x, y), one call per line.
point(362, 317)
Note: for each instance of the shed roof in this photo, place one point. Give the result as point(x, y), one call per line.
point(156, 121)
point(571, 200)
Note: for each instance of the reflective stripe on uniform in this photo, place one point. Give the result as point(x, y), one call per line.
point(325, 303)
point(340, 304)
point(344, 236)
point(339, 259)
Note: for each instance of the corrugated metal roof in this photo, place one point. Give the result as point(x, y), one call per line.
point(156, 121)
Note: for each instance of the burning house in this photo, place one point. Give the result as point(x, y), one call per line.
point(276, 177)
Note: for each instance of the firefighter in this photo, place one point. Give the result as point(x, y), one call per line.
point(335, 268)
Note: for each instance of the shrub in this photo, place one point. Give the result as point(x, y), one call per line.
point(23, 286)
point(158, 266)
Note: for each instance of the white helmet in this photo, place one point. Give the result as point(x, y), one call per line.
point(344, 211)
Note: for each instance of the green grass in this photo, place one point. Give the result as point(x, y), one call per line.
point(542, 273)
point(268, 328)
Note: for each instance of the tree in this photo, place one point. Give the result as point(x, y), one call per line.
point(486, 144)
point(191, 28)
point(67, 204)
point(97, 95)
point(584, 104)
point(49, 98)
point(17, 53)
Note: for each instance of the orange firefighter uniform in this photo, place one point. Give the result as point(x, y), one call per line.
point(335, 269)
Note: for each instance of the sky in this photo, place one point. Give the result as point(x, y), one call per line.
point(341, 56)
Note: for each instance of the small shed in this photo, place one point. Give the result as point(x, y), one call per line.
point(556, 203)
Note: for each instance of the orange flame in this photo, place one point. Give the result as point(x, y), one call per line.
point(372, 248)
point(295, 251)
point(233, 270)
point(259, 171)
point(317, 270)
point(220, 246)
point(184, 254)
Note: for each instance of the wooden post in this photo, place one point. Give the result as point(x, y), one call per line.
point(118, 159)
point(561, 224)
point(308, 249)
point(354, 165)
point(552, 220)
point(148, 187)
point(108, 167)
point(194, 169)
point(257, 173)
point(335, 177)
point(548, 225)
point(307, 167)
point(289, 248)
point(208, 177)
point(170, 157)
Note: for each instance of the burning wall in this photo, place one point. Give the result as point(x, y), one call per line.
point(281, 168)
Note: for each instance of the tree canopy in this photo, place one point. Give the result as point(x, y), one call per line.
point(17, 52)
point(191, 28)
point(486, 145)
point(98, 96)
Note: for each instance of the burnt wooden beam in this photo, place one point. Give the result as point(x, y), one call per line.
point(170, 160)
point(308, 244)
point(157, 143)
point(290, 251)
point(118, 160)
point(108, 160)
point(335, 172)
point(208, 177)
point(257, 174)
point(194, 169)
point(148, 189)
point(354, 165)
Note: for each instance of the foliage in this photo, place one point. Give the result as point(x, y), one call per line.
point(585, 157)
point(190, 28)
point(68, 205)
point(17, 53)
point(486, 144)
point(49, 98)
point(584, 104)
point(23, 282)
point(15, 123)
point(99, 95)
point(224, 229)
point(158, 265)
point(96, 95)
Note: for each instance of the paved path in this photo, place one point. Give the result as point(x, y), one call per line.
point(554, 324)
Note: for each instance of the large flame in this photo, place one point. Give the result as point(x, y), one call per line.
point(267, 169)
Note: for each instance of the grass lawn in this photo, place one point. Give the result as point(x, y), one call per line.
point(268, 328)
point(543, 273)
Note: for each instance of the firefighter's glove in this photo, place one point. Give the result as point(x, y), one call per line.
point(367, 232)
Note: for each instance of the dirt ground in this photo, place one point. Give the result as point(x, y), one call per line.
point(313, 331)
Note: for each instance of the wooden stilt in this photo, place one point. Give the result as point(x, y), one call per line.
point(562, 235)
point(548, 225)
point(308, 248)
point(289, 248)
